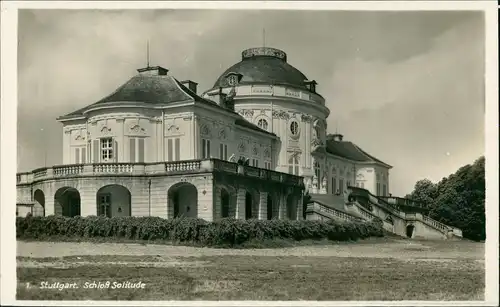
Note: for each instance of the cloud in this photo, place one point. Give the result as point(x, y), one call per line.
point(405, 86)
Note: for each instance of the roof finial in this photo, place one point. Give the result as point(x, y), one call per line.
point(263, 37)
point(147, 54)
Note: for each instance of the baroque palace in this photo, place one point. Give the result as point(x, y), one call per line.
point(249, 147)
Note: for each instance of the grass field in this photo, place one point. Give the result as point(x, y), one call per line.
point(373, 269)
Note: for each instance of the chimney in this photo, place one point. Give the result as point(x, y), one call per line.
point(335, 137)
point(190, 85)
point(153, 71)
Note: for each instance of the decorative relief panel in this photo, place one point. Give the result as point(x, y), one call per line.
point(262, 89)
point(246, 113)
point(292, 93)
point(307, 118)
point(105, 130)
point(255, 150)
point(205, 130)
point(136, 129)
point(172, 129)
point(280, 114)
point(267, 152)
point(222, 134)
point(241, 146)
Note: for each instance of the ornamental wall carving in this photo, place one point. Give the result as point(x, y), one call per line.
point(246, 112)
point(205, 130)
point(255, 150)
point(222, 134)
point(307, 118)
point(280, 114)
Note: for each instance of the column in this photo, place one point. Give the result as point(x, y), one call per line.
point(240, 204)
point(282, 207)
point(263, 206)
point(300, 207)
point(195, 137)
point(217, 205)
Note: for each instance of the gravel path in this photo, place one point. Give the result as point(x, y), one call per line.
point(401, 249)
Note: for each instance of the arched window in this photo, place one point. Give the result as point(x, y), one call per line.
point(293, 165)
point(262, 123)
point(317, 170)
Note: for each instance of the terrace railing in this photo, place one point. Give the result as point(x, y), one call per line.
point(166, 168)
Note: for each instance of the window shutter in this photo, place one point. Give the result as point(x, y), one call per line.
point(221, 151)
point(208, 149)
point(96, 152)
point(203, 148)
point(177, 149)
point(141, 150)
point(169, 150)
point(225, 152)
point(77, 155)
point(115, 151)
point(132, 150)
point(84, 160)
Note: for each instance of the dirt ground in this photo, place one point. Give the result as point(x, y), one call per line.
point(371, 248)
point(373, 269)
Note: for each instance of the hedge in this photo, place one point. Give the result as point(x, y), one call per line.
point(224, 232)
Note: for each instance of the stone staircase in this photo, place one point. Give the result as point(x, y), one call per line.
point(360, 205)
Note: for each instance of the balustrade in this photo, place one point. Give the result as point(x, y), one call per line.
point(113, 168)
point(158, 168)
point(336, 213)
point(182, 166)
point(68, 170)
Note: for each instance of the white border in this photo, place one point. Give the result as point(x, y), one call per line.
point(9, 130)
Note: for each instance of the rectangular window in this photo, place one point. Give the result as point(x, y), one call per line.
point(267, 165)
point(341, 186)
point(223, 151)
point(205, 144)
point(334, 185)
point(107, 150)
point(348, 183)
point(255, 163)
point(378, 189)
point(362, 185)
point(384, 190)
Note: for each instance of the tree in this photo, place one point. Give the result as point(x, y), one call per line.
point(424, 193)
point(458, 200)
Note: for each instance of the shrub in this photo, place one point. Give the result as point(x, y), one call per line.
point(223, 232)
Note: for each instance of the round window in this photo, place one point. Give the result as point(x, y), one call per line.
point(294, 128)
point(232, 80)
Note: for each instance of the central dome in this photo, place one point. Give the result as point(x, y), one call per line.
point(264, 65)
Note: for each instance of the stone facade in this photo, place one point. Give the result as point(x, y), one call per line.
point(207, 189)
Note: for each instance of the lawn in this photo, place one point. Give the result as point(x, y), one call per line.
point(376, 269)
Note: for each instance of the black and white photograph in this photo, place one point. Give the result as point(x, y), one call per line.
point(250, 153)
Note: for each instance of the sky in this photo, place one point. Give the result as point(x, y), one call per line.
point(407, 87)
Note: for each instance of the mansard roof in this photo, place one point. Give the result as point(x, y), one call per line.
point(160, 90)
point(351, 151)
